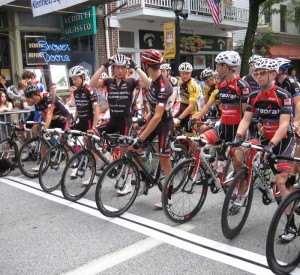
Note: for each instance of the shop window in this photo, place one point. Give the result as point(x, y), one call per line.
point(47, 20)
point(126, 39)
point(282, 18)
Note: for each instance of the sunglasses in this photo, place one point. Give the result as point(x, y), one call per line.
point(260, 73)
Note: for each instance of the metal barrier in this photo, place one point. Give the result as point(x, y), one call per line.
point(14, 116)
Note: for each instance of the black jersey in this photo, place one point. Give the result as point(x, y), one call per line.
point(49, 99)
point(160, 93)
point(85, 98)
point(252, 82)
point(291, 86)
point(269, 106)
point(120, 98)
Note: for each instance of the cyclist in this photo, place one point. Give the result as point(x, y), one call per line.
point(189, 92)
point(159, 120)
point(86, 103)
point(274, 107)
point(166, 71)
point(233, 94)
point(211, 106)
point(249, 78)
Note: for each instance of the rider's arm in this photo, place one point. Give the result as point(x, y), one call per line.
point(188, 110)
point(145, 80)
point(244, 124)
point(104, 108)
point(205, 109)
point(95, 82)
point(48, 115)
point(96, 114)
point(284, 122)
point(297, 109)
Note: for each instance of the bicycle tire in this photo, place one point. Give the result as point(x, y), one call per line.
point(34, 156)
point(73, 188)
point(186, 203)
point(109, 203)
point(283, 257)
point(234, 209)
point(52, 167)
point(8, 147)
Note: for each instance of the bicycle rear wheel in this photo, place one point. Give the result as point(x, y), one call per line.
point(78, 175)
point(236, 206)
point(182, 198)
point(8, 152)
point(283, 257)
point(30, 156)
point(52, 167)
point(114, 178)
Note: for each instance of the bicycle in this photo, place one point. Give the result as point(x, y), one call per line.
point(33, 148)
point(79, 173)
point(284, 257)
point(114, 177)
point(185, 190)
point(9, 148)
point(239, 196)
point(56, 158)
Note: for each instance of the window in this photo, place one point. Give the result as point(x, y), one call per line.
point(282, 18)
point(126, 39)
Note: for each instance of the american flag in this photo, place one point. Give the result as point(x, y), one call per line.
point(215, 8)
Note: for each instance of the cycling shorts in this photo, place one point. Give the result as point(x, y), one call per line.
point(120, 125)
point(84, 125)
point(221, 132)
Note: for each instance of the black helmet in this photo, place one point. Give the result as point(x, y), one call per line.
point(31, 90)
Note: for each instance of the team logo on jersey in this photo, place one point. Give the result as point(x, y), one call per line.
point(287, 101)
point(245, 91)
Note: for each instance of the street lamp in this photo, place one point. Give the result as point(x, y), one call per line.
point(177, 7)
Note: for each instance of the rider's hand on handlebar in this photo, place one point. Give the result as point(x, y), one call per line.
point(137, 143)
point(141, 122)
point(238, 140)
point(269, 148)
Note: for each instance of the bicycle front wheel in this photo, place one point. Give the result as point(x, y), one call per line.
point(8, 151)
point(120, 174)
point(182, 195)
point(283, 257)
point(237, 204)
point(78, 175)
point(30, 156)
point(52, 167)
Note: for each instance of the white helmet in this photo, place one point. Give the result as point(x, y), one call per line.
point(185, 67)
point(165, 66)
point(103, 75)
point(12, 92)
point(120, 60)
point(266, 64)
point(230, 58)
point(254, 58)
point(207, 73)
point(76, 71)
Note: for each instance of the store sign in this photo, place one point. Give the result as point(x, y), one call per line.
point(80, 24)
point(40, 7)
point(155, 40)
point(40, 52)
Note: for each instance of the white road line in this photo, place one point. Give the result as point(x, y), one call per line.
point(170, 235)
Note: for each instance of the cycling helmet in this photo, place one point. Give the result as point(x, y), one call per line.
point(120, 60)
point(266, 64)
point(12, 92)
point(230, 58)
point(165, 66)
point(207, 73)
point(76, 71)
point(31, 90)
point(103, 75)
point(254, 58)
point(185, 67)
point(283, 63)
point(152, 57)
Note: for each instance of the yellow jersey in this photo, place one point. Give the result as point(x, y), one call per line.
point(189, 91)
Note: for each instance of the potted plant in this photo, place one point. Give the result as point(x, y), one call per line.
point(192, 44)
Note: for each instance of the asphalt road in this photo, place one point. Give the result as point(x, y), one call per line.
point(45, 234)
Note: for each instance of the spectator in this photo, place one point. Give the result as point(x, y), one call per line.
point(292, 73)
point(5, 106)
point(53, 88)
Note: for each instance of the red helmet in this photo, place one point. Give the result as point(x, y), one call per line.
point(152, 57)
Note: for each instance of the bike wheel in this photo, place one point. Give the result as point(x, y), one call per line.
point(236, 206)
point(183, 197)
point(177, 156)
point(52, 167)
point(283, 257)
point(114, 178)
point(78, 175)
point(9, 152)
point(29, 157)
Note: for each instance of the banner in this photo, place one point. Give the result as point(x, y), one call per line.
point(169, 40)
point(40, 7)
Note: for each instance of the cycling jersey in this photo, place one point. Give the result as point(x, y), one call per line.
point(252, 82)
point(189, 91)
point(269, 106)
point(160, 93)
point(291, 86)
point(49, 99)
point(212, 94)
point(232, 94)
point(85, 98)
point(120, 98)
